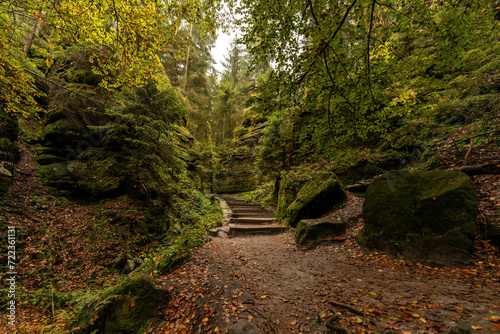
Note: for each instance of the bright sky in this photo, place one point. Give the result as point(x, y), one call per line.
point(221, 50)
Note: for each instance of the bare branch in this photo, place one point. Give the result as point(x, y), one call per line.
point(332, 37)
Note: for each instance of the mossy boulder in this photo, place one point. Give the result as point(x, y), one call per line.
point(124, 308)
point(9, 133)
point(310, 231)
point(286, 195)
point(5, 178)
point(316, 197)
point(493, 227)
point(421, 214)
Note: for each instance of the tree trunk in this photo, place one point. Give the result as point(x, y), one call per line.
point(32, 34)
point(187, 59)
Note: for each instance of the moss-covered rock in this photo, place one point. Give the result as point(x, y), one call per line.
point(62, 133)
point(240, 173)
point(493, 227)
point(172, 258)
point(416, 213)
point(124, 308)
point(286, 195)
point(5, 178)
point(316, 197)
point(310, 232)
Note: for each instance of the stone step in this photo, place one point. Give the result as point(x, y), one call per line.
point(251, 220)
point(252, 214)
point(236, 202)
point(245, 206)
point(240, 230)
point(249, 210)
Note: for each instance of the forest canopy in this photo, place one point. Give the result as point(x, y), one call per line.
point(122, 40)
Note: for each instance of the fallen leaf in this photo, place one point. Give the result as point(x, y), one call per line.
point(476, 327)
point(133, 303)
point(293, 323)
point(263, 296)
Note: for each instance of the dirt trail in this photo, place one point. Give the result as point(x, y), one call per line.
point(271, 282)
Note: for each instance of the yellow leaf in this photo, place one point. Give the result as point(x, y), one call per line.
point(359, 321)
point(476, 327)
point(423, 320)
point(204, 320)
point(263, 297)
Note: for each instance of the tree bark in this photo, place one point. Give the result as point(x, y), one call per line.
point(187, 59)
point(32, 34)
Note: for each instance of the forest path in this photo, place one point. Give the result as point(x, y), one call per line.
point(282, 288)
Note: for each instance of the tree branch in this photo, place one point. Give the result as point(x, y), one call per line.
point(368, 48)
point(327, 43)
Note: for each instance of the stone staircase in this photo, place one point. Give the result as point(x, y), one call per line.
point(250, 219)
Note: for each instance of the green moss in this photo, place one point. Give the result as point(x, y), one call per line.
point(5, 182)
point(316, 197)
point(415, 213)
point(455, 238)
point(173, 258)
point(300, 232)
point(286, 195)
point(124, 308)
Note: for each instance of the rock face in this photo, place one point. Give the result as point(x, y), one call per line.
point(485, 323)
point(316, 197)
point(493, 227)
point(9, 153)
point(309, 231)
point(240, 173)
point(124, 308)
point(5, 178)
point(426, 215)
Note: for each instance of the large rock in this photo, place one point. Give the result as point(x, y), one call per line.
point(5, 178)
point(240, 173)
point(310, 231)
point(125, 308)
point(493, 227)
point(484, 323)
point(316, 198)
point(425, 215)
